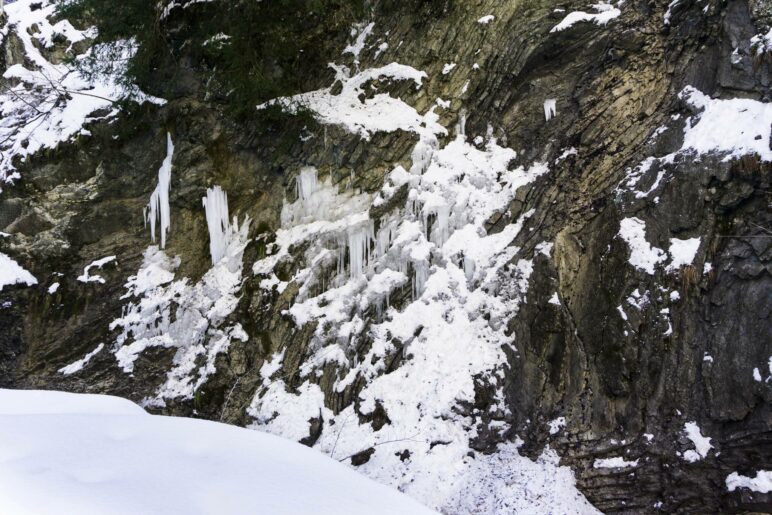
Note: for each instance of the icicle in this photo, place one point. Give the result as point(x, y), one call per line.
point(359, 239)
point(307, 183)
point(550, 108)
point(159, 199)
point(462, 123)
point(216, 207)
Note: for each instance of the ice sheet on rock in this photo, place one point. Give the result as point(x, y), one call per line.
point(12, 273)
point(88, 277)
point(761, 483)
point(158, 207)
point(643, 255)
point(95, 455)
point(604, 14)
point(34, 113)
point(78, 365)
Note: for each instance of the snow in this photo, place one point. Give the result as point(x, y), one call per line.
point(158, 208)
point(12, 273)
point(34, 113)
point(86, 276)
point(53, 288)
point(381, 113)
point(550, 109)
point(362, 32)
point(756, 375)
point(762, 483)
point(434, 246)
point(604, 14)
point(448, 68)
point(701, 443)
point(642, 255)
point(731, 128)
point(86, 454)
point(164, 312)
point(557, 424)
point(762, 43)
point(78, 365)
point(682, 252)
point(616, 462)
point(734, 127)
point(554, 300)
point(485, 20)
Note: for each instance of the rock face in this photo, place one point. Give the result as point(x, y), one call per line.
point(601, 276)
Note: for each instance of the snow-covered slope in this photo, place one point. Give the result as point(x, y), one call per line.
point(88, 454)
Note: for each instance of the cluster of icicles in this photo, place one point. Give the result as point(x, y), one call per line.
point(215, 205)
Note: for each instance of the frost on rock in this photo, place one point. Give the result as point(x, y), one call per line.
point(12, 273)
point(158, 207)
point(604, 14)
point(434, 252)
point(35, 112)
point(193, 318)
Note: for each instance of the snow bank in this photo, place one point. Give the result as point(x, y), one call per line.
point(86, 454)
point(614, 463)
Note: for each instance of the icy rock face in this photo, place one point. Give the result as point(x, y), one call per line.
point(505, 268)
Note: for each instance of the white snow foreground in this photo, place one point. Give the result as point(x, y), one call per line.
point(47, 102)
point(436, 246)
point(89, 454)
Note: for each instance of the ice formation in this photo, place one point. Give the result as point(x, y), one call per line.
point(434, 252)
point(158, 207)
point(193, 318)
point(550, 108)
point(87, 277)
point(220, 231)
